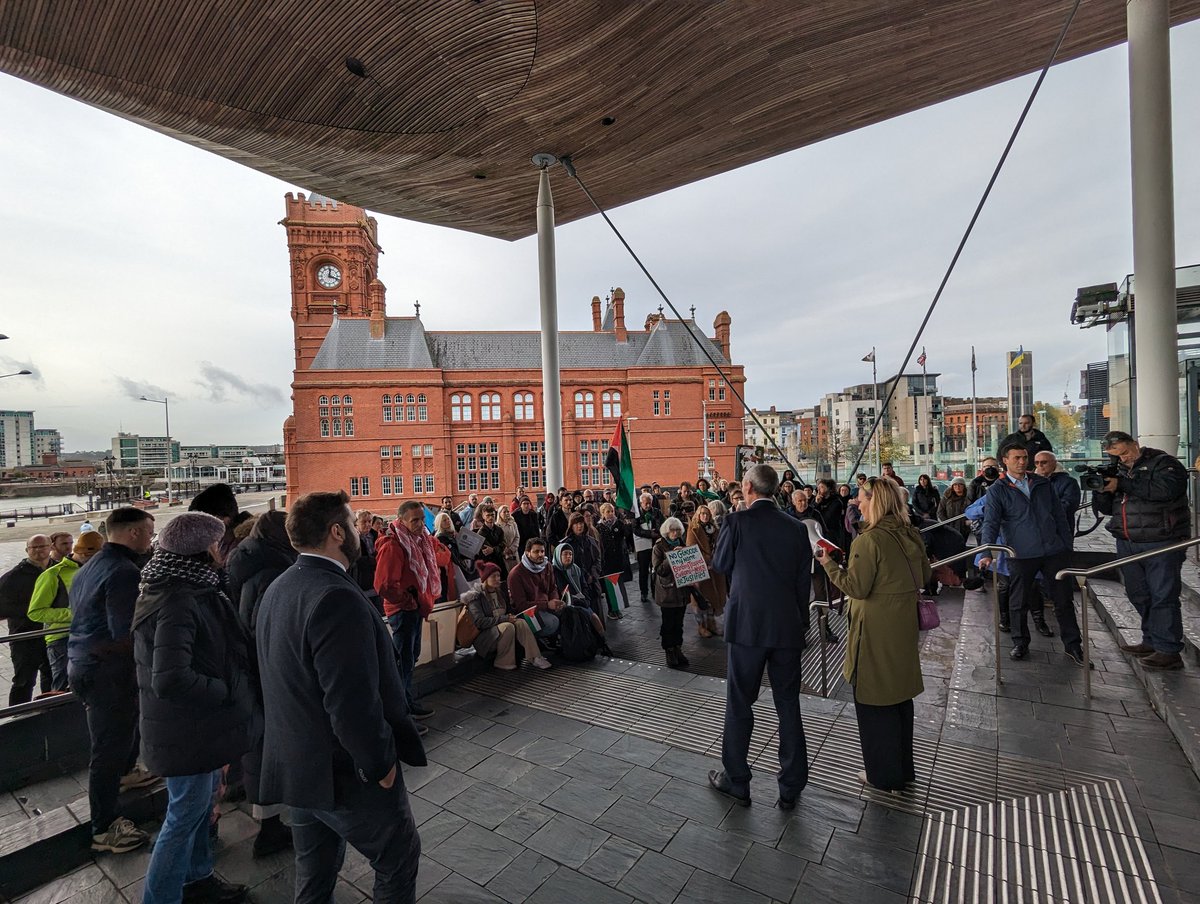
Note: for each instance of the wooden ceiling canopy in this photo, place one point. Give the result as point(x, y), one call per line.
point(452, 97)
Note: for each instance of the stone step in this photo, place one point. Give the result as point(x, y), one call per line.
point(1175, 696)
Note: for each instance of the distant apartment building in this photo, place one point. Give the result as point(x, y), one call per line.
point(1020, 385)
point(227, 453)
point(769, 418)
point(16, 439)
point(849, 416)
point(46, 441)
point(914, 414)
point(132, 452)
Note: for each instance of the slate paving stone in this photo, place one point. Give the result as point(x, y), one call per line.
point(468, 726)
point(515, 742)
point(538, 783)
point(645, 825)
point(697, 802)
point(126, 868)
point(525, 822)
point(429, 874)
point(566, 885)
point(522, 877)
point(597, 739)
point(1182, 868)
point(548, 725)
point(827, 807)
point(238, 865)
point(65, 887)
point(567, 840)
point(641, 783)
point(709, 849)
point(1176, 831)
point(416, 777)
point(686, 765)
point(445, 786)
point(547, 752)
point(422, 810)
point(596, 768)
point(460, 755)
point(475, 853)
point(884, 824)
point(763, 823)
point(484, 805)
point(655, 879)
point(514, 714)
point(612, 861)
point(639, 751)
point(500, 769)
point(493, 735)
point(703, 888)
point(774, 873)
point(806, 838)
point(581, 800)
point(878, 863)
point(456, 889)
point(438, 828)
point(831, 886)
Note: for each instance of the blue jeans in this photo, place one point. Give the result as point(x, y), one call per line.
point(182, 852)
point(406, 638)
point(56, 652)
point(1153, 586)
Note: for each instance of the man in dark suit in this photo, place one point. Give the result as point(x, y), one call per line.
point(767, 557)
point(335, 713)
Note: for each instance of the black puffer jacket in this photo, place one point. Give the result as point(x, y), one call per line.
point(614, 551)
point(250, 570)
point(1150, 504)
point(16, 587)
point(199, 707)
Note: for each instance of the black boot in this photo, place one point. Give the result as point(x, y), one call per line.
point(273, 837)
point(672, 659)
point(1039, 622)
point(1002, 593)
point(681, 661)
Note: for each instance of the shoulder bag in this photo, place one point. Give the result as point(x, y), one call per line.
point(927, 609)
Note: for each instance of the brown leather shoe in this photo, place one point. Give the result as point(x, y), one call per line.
point(1162, 661)
point(1137, 649)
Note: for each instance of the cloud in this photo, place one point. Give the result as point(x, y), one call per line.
point(13, 365)
point(135, 389)
point(220, 383)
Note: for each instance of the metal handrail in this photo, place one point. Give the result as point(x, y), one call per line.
point(38, 705)
point(929, 527)
point(1081, 576)
point(821, 606)
point(30, 635)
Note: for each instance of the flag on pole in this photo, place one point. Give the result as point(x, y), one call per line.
point(921, 360)
point(1018, 358)
point(620, 466)
point(611, 594)
point(973, 368)
point(530, 617)
point(869, 356)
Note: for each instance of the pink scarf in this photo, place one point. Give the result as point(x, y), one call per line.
point(418, 549)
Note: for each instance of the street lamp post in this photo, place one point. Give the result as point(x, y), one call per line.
point(167, 415)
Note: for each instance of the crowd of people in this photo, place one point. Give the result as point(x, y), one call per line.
point(274, 656)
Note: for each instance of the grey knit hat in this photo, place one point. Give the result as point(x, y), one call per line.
point(190, 533)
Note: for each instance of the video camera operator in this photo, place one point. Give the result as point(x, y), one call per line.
point(1148, 502)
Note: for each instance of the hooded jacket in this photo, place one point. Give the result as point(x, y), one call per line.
point(50, 603)
point(250, 570)
point(199, 708)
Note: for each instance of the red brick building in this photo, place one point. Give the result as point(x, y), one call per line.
point(384, 408)
point(991, 419)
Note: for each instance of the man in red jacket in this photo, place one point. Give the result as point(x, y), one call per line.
point(408, 582)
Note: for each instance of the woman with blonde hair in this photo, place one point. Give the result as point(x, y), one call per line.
point(883, 665)
point(512, 538)
point(702, 532)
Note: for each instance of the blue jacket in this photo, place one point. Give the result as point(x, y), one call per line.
point(1068, 491)
point(102, 600)
point(1035, 526)
point(768, 558)
point(974, 512)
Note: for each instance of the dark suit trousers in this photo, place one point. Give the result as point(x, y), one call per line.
point(1022, 576)
point(380, 827)
point(745, 672)
point(886, 735)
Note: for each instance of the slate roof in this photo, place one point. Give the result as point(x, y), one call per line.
point(407, 346)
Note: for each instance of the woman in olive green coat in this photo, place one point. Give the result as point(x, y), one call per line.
point(887, 565)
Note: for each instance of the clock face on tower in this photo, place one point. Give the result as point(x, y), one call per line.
point(329, 276)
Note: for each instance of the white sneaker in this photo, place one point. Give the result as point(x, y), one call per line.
point(120, 837)
point(138, 777)
point(540, 662)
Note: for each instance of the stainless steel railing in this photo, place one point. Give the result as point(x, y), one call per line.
point(30, 635)
point(1081, 576)
point(822, 607)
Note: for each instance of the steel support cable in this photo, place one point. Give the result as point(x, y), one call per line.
point(1012, 138)
point(569, 166)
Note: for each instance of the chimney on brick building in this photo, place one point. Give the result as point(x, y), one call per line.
point(595, 313)
point(721, 326)
point(618, 306)
point(378, 308)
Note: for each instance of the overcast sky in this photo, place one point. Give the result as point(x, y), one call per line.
point(136, 264)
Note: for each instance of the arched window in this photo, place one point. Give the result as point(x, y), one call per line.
point(323, 406)
point(460, 406)
point(410, 399)
point(610, 403)
point(324, 426)
point(349, 426)
point(523, 406)
point(387, 409)
point(585, 404)
point(337, 426)
point(489, 406)
point(348, 404)
point(421, 399)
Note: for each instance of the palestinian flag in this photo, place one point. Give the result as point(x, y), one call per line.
point(530, 617)
point(620, 466)
point(611, 593)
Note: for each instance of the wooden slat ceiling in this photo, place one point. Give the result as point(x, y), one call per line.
point(459, 94)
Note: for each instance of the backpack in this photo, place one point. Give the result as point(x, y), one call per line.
point(576, 635)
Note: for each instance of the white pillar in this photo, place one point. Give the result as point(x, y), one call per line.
point(1156, 322)
point(548, 294)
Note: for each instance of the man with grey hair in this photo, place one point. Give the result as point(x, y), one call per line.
point(768, 559)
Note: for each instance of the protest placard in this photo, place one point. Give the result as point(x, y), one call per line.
point(687, 565)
